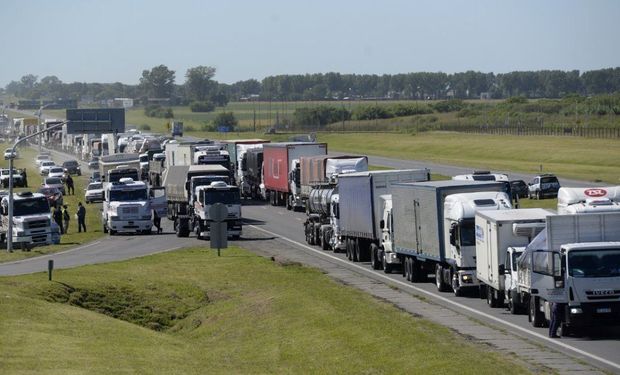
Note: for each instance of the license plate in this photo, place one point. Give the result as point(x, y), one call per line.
point(603, 310)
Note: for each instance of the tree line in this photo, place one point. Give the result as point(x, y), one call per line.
point(201, 90)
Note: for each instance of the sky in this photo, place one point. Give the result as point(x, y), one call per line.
point(115, 40)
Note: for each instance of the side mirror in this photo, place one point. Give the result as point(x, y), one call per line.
point(382, 224)
point(453, 234)
point(502, 269)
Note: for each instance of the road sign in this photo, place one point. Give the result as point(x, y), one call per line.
point(97, 121)
point(219, 227)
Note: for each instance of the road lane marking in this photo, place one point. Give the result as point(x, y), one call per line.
point(449, 301)
point(50, 255)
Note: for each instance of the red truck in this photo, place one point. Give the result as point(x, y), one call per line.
point(281, 171)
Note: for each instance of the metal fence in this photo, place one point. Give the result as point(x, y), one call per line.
point(587, 132)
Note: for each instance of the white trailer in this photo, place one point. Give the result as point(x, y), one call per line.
point(588, 200)
point(501, 237)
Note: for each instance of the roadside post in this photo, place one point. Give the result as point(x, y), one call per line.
point(50, 268)
point(219, 228)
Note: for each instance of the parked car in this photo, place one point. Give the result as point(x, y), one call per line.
point(54, 182)
point(41, 158)
point(56, 172)
point(94, 192)
point(18, 179)
point(72, 167)
point(8, 154)
point(519, 189)
point(45, 167)
point(53, 195)
point(93, 163)
point(543, 186)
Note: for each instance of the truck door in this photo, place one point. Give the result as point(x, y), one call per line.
point(547, 276)
point(158, 201)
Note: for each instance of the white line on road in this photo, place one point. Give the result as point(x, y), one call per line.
point(456, 304)
point(50, 255)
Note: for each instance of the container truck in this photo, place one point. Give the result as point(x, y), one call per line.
point(434, 229)
point(180, 182)
point(236, 149)
point(323, 170)
point(588, 200)
point(252, 184)
point(574, 262)
point(118, 161)
point(501, 237)
point(31, 219)
point(360, 208)
point(281, 170)
point(206, 197)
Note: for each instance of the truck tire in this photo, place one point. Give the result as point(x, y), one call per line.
point(289, 202)
point(456, 288)
point(535, 316)
point(356, 250)
point(407, 268)
point(347, 246)
point(375, 262)
point(439, 281)
point(512, 304)
point(387, 268)
point(491, 299)
point(324, 241)
point(182, 228)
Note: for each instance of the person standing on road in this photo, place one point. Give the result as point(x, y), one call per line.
point(157, 221)
point(69, 182)
point(25, 177)
point(66, 217)
point(556, 319)
point(81, 216)
point(57, 215)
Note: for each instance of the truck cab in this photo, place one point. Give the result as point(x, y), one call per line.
point(460, 237)
point(294, 201)
point(207, 196)
point(389, 257)
point(31, 219)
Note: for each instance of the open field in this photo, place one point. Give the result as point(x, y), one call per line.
point(190, 311)
point(73, 238)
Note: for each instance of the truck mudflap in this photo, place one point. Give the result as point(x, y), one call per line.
point(593, 314)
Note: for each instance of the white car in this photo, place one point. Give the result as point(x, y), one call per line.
point(40, 159)
point(10, 155)
point(56, 172)
point(54, 182)
point(45, 167)
point(94, 192)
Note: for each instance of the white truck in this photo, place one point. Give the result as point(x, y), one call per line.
point(588, 200)
point(31, 219)
point(206, 197)
point(433, 229)
point(128, 206)
point(574, 262)
point(360, 206)
point(501, 237)
point(129, 161)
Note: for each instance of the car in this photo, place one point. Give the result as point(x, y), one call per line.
point(543, 186)
point(95, 177)
point(72, 167)
point(53, 195)
point(56, 172)
point(18, 179)
point(519, 189)
point(40, 158)
point(94, 192)
point(45, 167)
point(54, 182)
point(93, 163)
point(9, 154)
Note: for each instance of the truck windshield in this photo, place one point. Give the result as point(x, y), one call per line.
point(128, 195)
point(117, 175)
point(225, 197)
point(31, 207)
point(467, 233)
point(594, 263)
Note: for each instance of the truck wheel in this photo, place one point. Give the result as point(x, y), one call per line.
point(356, 250)
point(407, 268)
point(324, 241)
point(535, 316)
point(458, 291)
point(289, 203)
point(387, 268)
point(491, 300)
point(441, 285)
point(374, 257)
point(512, 305)
point(347, 246)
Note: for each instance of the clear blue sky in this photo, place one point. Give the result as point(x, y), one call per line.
point(114, 40)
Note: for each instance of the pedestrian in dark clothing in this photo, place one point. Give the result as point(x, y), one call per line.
point(69, 182)
point(66, 217)
point(556, 319)
point(25, 177)
point(157, 221)
point(81, 216)
point(57, 215)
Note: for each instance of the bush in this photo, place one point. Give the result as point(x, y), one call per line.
point(188, 128)
point(145, 127)
point(202, 106)
point(156, 110)
point(400, 110)
point(371, 112)
point(226, 120)
point(452, 105)
point(320, 115)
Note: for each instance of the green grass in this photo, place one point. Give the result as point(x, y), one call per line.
point(191, 312)
point(73, 238)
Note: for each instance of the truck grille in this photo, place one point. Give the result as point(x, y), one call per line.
point(35, 224)
point(39, 238)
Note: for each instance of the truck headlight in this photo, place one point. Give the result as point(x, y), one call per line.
point(576, 310)
point(466, 278)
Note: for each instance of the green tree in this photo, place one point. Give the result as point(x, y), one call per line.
point(158, 82)
point(199, 82)
point(225, 119)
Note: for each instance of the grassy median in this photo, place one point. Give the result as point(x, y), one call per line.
point(191, 312)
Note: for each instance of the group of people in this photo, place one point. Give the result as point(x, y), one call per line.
point(62, 217)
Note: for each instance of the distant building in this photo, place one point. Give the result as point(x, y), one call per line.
point(122, 103)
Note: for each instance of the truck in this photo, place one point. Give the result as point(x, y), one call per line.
point(180, 182)
point(252, 183)
point(588, 199)
point(31, 220)
point(322, 170)
point(433, 229)
point(206, 197)
point(182, 153)
point(501, 237)
point(574, 262)
point(128, 206)
point(176, 128)
point(361, 201)
point(281, 170)
point(118, 161)
point(236, 149)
